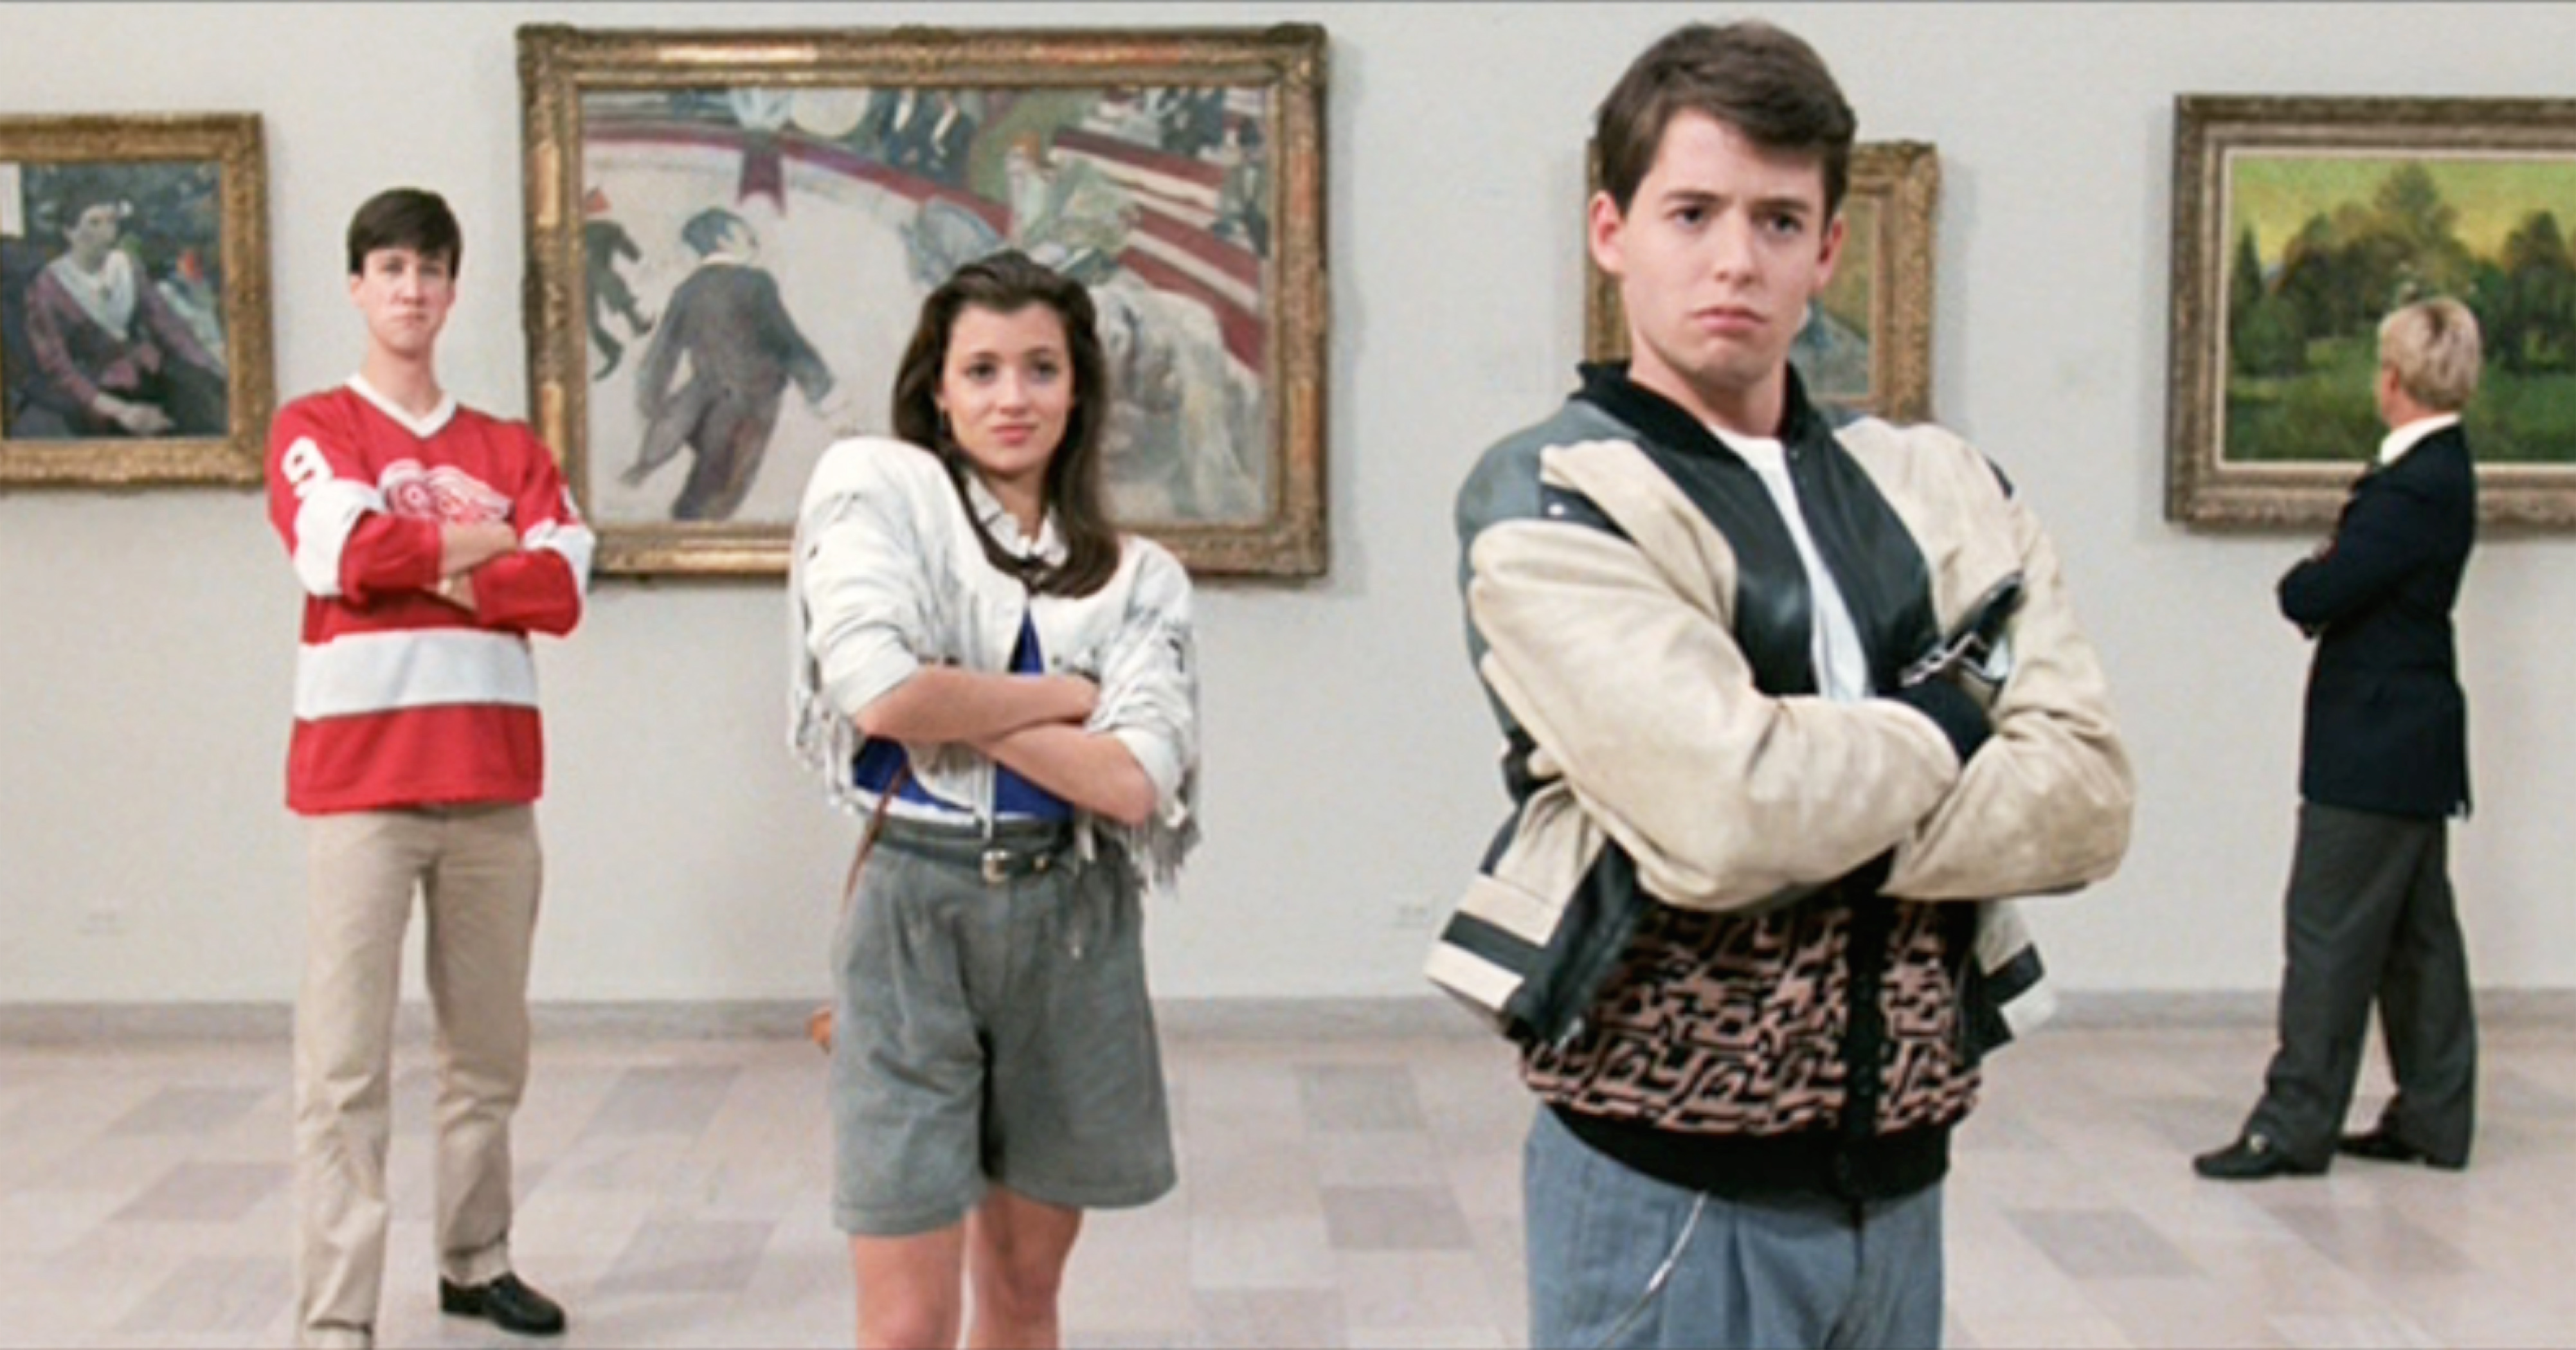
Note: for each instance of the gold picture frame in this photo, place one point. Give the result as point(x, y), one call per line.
point(1869, 352)
point(137, 353)
point(2298, 222)
point(1179, 173)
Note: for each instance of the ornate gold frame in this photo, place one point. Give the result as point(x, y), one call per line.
point(2202, 486)
point(1902, 180)
point(558, 64)
point(232, 141)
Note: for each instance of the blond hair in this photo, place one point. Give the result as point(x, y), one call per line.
point(2433, 347)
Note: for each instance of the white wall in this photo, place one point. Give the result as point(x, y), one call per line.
point(146, 638)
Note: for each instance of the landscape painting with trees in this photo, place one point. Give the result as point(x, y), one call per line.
point(2298, 223)
point(2326, 245)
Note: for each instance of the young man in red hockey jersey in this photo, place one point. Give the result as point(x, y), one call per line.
point(430, 540)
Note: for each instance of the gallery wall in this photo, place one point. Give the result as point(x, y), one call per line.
point(146, 638)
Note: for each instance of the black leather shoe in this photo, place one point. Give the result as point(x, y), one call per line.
point(2382, 1145)
point(2252, 1157)
point(506, 1302)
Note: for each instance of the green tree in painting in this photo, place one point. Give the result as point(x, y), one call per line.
point(2304, 346)
point(2303, 338)
point(2532, 299)
point(2422, 238)
point(2244, 279)
point(2326, 268)
point(2341, 272)
point(2262, 328)
point(2269, 341)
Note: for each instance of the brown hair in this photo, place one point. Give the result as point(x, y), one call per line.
point(411, 218)
point(1006, 283)
point(1764, 81)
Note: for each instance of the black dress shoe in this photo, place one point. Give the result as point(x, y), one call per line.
point(2252, 1157)
point(2382, 1145)
point(506, 1302)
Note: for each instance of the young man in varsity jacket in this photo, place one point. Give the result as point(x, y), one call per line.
point(1732, 913)
point(430, 540)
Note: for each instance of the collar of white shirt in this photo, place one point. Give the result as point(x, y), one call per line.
point(2404, 438)
point(1005, 529)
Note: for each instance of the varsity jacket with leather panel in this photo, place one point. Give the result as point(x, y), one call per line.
point(1706, 918)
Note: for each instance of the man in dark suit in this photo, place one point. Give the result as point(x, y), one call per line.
point(2383, 765)
point(742, 350)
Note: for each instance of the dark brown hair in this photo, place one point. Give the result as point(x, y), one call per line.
point(1006, 283)
point(1764, 81)
point(410, 218)
point(75, 201)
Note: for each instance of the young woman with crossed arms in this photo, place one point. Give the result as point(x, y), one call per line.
point(1005, 686)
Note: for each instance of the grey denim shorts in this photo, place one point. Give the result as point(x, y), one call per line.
point(991, 1026)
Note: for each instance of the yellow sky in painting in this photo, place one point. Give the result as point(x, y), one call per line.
point(2277, 193)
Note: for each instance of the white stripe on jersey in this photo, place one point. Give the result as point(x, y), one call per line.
point(569, 538)
point(381, 672)
point(324, 520)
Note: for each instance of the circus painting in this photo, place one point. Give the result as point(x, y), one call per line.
point(731, 235)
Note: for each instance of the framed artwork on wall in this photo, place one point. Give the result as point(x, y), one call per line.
point(1867, 346)
point(2298, 224)
point(730, 235)
point(134, 323)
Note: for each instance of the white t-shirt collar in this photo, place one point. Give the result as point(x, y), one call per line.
point(998, 521)
point(424, 427)
point(2407, 437)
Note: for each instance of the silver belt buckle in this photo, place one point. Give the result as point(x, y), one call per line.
point(997, 866)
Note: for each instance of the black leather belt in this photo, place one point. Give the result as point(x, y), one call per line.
point(998, 865)
point(1012, 851)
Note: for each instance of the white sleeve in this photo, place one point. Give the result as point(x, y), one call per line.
point(1149, 695)
point(863, 582)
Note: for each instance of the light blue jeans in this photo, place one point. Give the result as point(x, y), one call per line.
point(1792, 1272)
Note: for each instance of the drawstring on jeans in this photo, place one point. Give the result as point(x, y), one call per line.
point(1655, 1283)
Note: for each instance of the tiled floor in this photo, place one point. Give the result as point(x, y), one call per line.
point(1348, 1190)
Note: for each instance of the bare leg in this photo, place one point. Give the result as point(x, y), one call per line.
point(909, 1295)
point(1019, 1248)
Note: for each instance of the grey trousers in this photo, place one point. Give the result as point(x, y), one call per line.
point(2371, 920)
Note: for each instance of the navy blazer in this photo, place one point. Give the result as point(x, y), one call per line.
point(2387, 727)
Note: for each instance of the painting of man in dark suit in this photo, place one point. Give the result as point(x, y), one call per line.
point(922, 131)
point(2383, 766)
point(741, 351)
point(604, 244)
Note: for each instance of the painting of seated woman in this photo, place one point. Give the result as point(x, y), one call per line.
point(111, 324)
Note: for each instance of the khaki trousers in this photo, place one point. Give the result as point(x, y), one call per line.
point(477, 870)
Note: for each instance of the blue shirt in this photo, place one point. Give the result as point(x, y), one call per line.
point(1014, 796)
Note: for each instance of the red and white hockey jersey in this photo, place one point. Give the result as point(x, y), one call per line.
point(401, 698)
